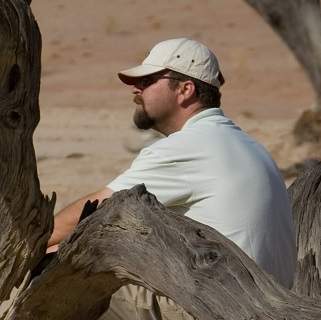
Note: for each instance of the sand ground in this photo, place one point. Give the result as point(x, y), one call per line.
point(86, 111)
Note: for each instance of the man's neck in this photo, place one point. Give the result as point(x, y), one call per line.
point(176, 123)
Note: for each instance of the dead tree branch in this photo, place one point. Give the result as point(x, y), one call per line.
point(132, 238)
point(298, 23)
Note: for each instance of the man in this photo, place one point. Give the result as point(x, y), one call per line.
point(205, 167)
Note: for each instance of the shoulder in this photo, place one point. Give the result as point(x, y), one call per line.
point(172, 146)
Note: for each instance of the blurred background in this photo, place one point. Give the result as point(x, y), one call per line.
point(85, 136)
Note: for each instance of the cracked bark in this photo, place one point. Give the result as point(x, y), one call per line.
point(132, 238)
point(26, 215)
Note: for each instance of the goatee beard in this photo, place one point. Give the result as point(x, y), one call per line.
point(141, 119)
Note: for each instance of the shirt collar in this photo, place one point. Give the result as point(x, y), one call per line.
point(203, 114)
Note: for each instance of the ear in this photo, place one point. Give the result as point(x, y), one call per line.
point(186, 91)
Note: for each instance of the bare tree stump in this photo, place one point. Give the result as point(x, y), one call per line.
point(305, 194)
point(298, 23)
point(26, 216)
point(194, 265)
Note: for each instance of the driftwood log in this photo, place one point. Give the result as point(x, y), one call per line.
point(298, 23)
point(132, 238)
point(26, 216)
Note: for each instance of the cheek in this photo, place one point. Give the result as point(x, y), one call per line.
point(153, 104)
point(159, 103)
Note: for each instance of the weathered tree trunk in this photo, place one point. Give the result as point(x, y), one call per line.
point(298, 23)
point(133, 238)
point(26, 217)
point(305, 194)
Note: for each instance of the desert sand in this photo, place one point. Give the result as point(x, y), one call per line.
point(85, 129)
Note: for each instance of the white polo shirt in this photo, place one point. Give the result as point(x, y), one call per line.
point(216, 174)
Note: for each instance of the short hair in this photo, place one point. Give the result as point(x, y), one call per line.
point(208, 95)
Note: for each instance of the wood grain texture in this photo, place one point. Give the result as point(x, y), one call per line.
point(132, 238)
point(305, 195)
point(25, 214)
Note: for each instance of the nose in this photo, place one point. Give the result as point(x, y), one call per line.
point(136, 90)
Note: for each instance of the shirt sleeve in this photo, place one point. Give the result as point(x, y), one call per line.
point(162, 174)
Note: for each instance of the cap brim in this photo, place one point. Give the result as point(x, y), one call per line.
point(130, 75)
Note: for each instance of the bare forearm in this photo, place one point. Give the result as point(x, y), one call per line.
point(67, 219)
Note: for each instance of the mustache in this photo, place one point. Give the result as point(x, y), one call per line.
point(139, 100)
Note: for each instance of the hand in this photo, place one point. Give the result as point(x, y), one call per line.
point(53, 248)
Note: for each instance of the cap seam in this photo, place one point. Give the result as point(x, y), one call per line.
point(188, 74)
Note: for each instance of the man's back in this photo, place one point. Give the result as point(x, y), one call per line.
point(214, 173)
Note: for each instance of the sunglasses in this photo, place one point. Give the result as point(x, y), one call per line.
point(147, 81)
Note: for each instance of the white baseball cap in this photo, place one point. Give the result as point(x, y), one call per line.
point(183, 55)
